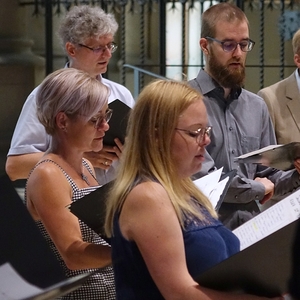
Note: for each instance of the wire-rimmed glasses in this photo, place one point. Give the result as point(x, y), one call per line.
point(98, 121)
point(198, 134)
point(111, 47)
point(230, 46)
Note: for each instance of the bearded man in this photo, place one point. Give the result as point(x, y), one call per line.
point(240, 120)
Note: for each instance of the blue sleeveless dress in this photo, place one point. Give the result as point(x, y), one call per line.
point(101, 284)
point(206, 244)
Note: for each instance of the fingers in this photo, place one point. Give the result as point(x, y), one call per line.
point(119, 145)
point(297, 165)
point(269, 188)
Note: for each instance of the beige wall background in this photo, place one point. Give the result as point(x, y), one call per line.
point(22, 51)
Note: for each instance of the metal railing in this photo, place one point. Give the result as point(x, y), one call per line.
point(137, 73)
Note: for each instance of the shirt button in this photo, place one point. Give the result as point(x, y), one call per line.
point(232, 151)
point(230, 128)
point(236, 196)
point(256, 197)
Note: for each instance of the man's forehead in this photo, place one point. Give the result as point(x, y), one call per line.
point(231, 29)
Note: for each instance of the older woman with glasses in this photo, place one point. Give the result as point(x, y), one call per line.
point(72, 106)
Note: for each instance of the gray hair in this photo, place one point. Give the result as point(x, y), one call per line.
point(83, 22)
point(71, 91)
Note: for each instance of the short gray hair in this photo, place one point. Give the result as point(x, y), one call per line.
point(71, 91)
point(83, 22)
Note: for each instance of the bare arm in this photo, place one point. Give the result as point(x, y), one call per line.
point(149, 219)
point(19, 166)
point(48, 194)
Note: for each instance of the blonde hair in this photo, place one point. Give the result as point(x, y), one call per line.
point(296, 42)
point(71, 91)
point(147, 152)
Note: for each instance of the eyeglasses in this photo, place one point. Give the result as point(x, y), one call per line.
point(98, 121)
point(230, 46)
point(111, 47)
point(198, 134)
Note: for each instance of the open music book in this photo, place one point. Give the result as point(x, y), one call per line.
point(276, 156)
point(15, 287)
point(263, 266)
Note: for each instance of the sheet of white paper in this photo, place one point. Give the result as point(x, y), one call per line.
point(259, 151)
point(217, 191)
point(211, 187)
point(272, 219)
point(13, 286)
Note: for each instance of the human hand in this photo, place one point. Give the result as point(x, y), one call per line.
point(269, 188)
point(297, 164)
point(105, 157)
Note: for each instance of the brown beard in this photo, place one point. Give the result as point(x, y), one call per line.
point(225, 77)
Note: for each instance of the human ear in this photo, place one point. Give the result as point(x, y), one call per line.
point(297, 60)
point(204, 45)
point(61, 121)
point(70, 49)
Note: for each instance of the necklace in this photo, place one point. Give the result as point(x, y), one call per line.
point(85, 179)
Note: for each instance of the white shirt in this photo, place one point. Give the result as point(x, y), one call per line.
point(30, 135)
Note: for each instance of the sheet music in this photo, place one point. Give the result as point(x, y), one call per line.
point(13, 286)
point(270, 220)
point(259, 151)
point(211, 187)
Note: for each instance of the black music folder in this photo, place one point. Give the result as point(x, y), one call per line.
point(280, 157)
point(264, 265)
point(117, 123)
point(262, 269)
point(25, 249)
point(91, 208)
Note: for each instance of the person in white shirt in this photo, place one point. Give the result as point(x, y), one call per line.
point(87, 35)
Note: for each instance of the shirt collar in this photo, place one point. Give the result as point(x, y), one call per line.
point(298, 78)
point(99, 77)
point(207, 84)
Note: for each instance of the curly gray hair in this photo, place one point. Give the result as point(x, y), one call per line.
point(83, 22)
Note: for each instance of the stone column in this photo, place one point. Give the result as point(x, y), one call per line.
point(20, 69)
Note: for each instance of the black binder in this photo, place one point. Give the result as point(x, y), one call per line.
point(91, 208)
point(117, 123)
point(263, 268)
point(23, 246)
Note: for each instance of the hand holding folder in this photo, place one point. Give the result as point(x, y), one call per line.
point(117, 123)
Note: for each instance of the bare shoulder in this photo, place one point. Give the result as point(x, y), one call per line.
point(47, 174)
point(146, 206)
point(147, 198)
point(148, 193)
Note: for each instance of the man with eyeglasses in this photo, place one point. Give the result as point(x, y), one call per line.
point(240, 120)
point(87, 36)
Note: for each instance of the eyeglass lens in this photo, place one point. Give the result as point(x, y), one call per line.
point(202, 132)
point(229, 46)
point(105, 118)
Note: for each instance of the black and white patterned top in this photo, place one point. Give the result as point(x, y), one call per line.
point(101, 284)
